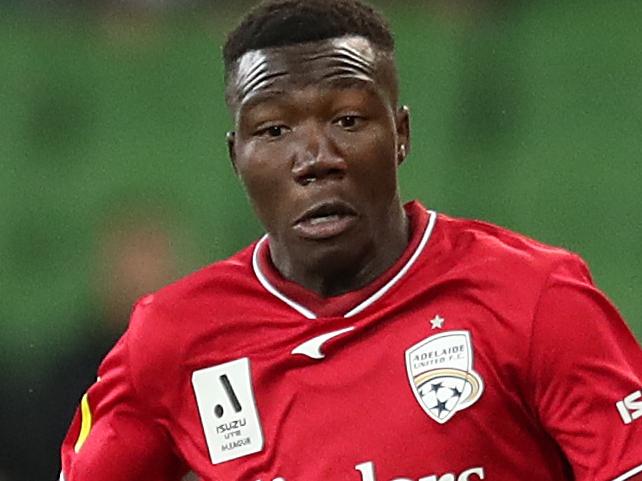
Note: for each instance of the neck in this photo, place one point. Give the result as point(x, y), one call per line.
point(350, 269)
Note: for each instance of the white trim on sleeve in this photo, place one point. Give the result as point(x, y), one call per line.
point(629, 474)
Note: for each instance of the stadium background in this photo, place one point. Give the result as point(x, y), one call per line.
point(525, 114)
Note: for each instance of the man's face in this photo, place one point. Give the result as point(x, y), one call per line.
point(317, 144)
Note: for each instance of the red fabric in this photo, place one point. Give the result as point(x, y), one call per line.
point(125, 442)
point(553, 354)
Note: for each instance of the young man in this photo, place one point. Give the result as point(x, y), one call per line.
point(360, 339)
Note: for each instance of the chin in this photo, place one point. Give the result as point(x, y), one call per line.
point(334, 253)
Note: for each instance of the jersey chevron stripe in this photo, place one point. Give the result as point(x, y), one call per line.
point(381, 292)
point(86, 422)
point(363, 305)
point(629, 474)
point(312, 347)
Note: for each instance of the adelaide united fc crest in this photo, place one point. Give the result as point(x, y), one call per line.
point(441, 375)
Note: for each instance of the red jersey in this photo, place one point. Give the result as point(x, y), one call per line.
point(481, 354)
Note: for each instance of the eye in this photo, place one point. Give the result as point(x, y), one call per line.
point(271, 131)
point(349, 122)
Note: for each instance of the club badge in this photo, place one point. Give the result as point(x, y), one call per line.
point(441, 375)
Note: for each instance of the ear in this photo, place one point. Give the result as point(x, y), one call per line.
point(231, 138)
point(403, 133)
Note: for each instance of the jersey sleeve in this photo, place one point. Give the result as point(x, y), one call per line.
point(112, 436)
point(586, 377)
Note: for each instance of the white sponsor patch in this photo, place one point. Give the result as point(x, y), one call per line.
point(441, 375)
point(227, 409)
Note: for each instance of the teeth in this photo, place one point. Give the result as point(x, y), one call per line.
point(323, 219)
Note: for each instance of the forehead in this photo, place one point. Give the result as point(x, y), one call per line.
point(350, 60)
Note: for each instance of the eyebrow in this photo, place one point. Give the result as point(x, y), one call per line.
point(332, 81)
point(262, 97)
point(342, 83)
point(283, 96)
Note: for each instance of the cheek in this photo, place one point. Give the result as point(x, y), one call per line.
point(374, 160)
point(264, 175)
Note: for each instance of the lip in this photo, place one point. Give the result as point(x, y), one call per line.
point(325, 220)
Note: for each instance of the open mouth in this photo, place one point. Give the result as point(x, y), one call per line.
point(325, 220)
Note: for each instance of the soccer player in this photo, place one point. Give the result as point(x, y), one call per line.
point(360, 339)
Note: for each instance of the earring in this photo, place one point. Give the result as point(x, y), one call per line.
point(402, 152)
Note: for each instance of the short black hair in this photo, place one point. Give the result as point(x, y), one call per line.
point(277, 23)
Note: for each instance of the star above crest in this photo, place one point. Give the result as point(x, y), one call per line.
point(437, 322)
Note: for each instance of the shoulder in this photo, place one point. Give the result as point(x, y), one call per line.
point(212, 287)
point(221, 279)
point(494, 248)
point(165, 324)
point(505, 272)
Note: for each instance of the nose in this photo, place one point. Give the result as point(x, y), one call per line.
point(317, 158)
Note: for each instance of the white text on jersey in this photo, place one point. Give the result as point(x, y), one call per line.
point(367, 471)
point(630, 408)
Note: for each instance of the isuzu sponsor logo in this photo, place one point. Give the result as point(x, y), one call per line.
point(227, 409)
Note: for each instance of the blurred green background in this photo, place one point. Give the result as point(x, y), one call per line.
point(114, 175)
point(524, 114)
